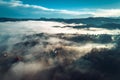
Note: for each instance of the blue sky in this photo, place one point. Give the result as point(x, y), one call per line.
point(75, 4)
point(59, 8)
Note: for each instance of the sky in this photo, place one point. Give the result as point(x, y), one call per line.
point(59, 8)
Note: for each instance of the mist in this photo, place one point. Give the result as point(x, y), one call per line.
point(50, 50)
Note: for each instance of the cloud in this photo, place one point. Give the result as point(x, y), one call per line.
point(53, 56)
point(28, 27)
point(107, 13)
point(17, 8)
point(17, 3)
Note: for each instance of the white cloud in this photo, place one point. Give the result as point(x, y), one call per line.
point(94, 12)
point(107, 13)
point(17, 3)
point(79, 13)
point(30, 27)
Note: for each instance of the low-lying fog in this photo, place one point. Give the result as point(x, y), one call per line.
point(47, 50)
point(28, 27)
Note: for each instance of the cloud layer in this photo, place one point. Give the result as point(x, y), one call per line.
point(16, 8)
point(29, 51)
